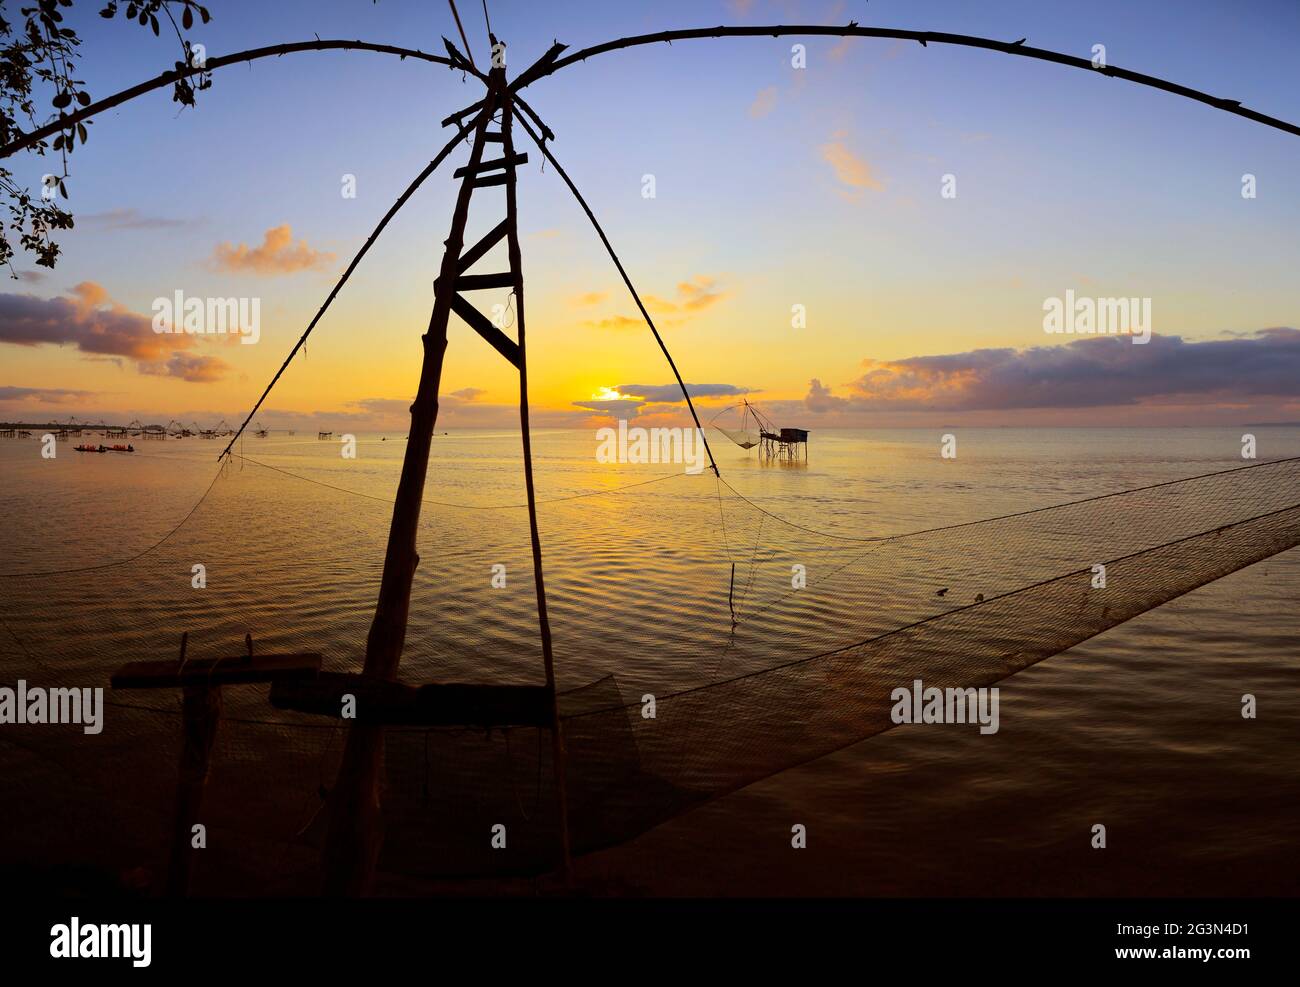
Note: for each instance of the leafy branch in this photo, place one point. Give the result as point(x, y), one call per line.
point(39, 56)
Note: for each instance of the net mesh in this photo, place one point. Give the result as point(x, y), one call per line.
point(663, 705)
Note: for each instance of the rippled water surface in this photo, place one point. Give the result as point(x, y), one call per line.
point(1138, 729)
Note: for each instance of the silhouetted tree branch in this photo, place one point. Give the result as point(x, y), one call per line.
point(43, 55)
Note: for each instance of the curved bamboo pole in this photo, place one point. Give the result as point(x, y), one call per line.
point(923, 38)
point(167, 78)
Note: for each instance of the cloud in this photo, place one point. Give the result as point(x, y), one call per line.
point(192, 367)
point(90, 320)
point(613, 322)
point(763, 103)
point(850, 169)
point(672, 393)
point(467, 394)
point(1094, 372)
point(695, 295)
point(841, 48)
point(32, 277)
point(117, 220)
point(648, 400)
point(617, 408)
point(45, 395)
point(589, 298)
point(700, 293)
point(278, 254)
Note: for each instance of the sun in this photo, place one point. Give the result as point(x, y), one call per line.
point(609, 394)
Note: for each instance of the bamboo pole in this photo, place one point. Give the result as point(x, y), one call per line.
point(167, 78)
point(355, 825)
point(924, 38)
point(543, 619)
point(609, 248)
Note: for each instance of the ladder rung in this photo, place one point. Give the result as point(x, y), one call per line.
point(513, 161)
point(478, 282)
point(493, 137)
point(456, 117)
point(477, 321)
point(486, 180)
point(476, 252)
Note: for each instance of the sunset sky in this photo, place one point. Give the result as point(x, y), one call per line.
point(775, 187)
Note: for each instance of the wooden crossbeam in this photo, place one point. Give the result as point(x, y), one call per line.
point(460, 114)
point(479, 322)
point(489, 180)
point(510, 161)
point(478, 282)
point(471, 256)
point(494, 138)
point(214, 671)
point(380, 701)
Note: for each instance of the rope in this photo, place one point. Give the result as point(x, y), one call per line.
point(541, 145)
point(133, 558)
point(365, 248)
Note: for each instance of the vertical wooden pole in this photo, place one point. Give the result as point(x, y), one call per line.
point(201, 711)
point(355, 825)
point(543, 618)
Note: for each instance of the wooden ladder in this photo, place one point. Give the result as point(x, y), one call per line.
point(353, 839)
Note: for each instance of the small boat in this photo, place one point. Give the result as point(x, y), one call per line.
point(119, 448)
point(88, 448)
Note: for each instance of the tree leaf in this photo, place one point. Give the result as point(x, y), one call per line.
point(187, 19)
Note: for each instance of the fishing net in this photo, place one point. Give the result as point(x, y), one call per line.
point(704, 641)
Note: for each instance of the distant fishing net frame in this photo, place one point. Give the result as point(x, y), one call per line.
point(614, 772)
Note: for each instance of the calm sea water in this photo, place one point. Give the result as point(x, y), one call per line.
point(1138, 729)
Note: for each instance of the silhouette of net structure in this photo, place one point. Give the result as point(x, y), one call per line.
point(674, 696)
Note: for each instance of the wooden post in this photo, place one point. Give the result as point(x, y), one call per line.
point(201, 713)
point(354, 836)
point(543, 619)
point(201, 682)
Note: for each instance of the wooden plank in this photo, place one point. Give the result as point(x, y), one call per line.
point(494, 138)
point(477, 321)
point(478, 282)
point(508, 161)
point(214, 671)
point(488, 180)
point(379, 701)
point(459, 114)
point(475, 253)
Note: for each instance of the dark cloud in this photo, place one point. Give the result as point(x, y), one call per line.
point(45, 395)
point(672, 393)
point(97, 326)
point(116, 220)
point(188, 366)
point(1101, 371)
